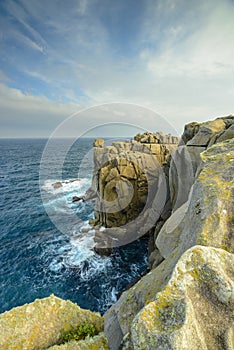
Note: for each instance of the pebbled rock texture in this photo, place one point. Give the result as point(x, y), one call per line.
point(41, 324)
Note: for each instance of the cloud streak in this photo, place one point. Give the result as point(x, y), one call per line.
point(173, 56)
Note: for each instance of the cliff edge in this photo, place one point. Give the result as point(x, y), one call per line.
point(187, 301)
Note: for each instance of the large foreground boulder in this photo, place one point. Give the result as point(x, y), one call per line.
point(43, 324)
point(195, 311)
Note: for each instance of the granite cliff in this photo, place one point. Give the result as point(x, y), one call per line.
point(46, 323)
point(186, 301)
point(127, 177)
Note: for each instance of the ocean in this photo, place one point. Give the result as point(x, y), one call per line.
point(38, 258)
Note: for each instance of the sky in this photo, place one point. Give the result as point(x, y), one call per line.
point(175, 57)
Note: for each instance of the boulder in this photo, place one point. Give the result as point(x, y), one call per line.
point(126, 174)
point(190, 131)
point(186, 161)
point(206, 131)
point(118, 319)
point(57, 185)
point(41, 324)
point(226, 135)
point(195, 310)
point(98, 143)
point(77, 199)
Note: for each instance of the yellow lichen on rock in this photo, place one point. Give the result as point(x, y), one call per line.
point(41, 324)
point(190, 280)
point(99, 342)
point(193, 312)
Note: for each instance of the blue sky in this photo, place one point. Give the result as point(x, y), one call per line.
point(58, 57)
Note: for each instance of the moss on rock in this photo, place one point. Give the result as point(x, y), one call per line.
point(98, 342)
point(43, 323)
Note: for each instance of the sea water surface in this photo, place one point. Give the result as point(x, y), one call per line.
point(36, 258)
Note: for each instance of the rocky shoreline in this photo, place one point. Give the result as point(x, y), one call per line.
point(186, 300)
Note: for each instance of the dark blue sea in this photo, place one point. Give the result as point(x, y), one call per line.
point(43, 250)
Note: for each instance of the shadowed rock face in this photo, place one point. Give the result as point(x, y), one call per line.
point(181, 303)
point(197, 137)
point(41, 324)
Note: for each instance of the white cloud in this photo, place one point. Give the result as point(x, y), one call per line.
point(182, 65)
point(28, 42)
point(37, 75)
point(186, 75)
point(32, 116)
point(207, 52)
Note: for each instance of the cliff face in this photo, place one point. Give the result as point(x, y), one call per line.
point(127, 176)
point(187, 301)
point(185, 167)
point(186, 160)
point(43, 324)
point(121, 171)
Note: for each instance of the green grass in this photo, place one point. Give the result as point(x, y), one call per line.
point(79, 333)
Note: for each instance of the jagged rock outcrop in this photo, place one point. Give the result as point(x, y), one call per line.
point(127, 176)
point(42, 324)
point(197, 137)
point(162, 310)
point(122, 168)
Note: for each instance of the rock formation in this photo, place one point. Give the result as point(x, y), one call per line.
point(42, 324)
point(127, 176)
point(187, 301)
point(186, 160)
point(195, 309)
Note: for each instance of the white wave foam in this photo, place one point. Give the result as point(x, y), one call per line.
point(96, 265)
point(59, 199)
point(55, 266)
point(76, 186)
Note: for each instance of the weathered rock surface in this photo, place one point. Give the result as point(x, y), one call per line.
point(169, 236)
point(186, 160)
point(195, 310)
point(207, 220)
point(126, 179)
point(41, 324)
point(206, 131)
point(99, 342)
